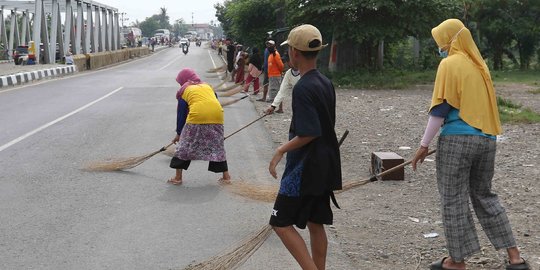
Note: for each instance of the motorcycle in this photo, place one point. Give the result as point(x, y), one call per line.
point(185, 48)
point(198, 43)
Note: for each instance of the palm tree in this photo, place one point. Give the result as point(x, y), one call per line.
point(163, 18)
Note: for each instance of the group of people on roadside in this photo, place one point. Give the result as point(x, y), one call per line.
point(463, 107)
point(277, 83)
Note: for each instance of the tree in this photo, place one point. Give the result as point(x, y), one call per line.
point(361, 27)
point(149, 26)
point(180, 27)
point(163, 18)
point(156, 21)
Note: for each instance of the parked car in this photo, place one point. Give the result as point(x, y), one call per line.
point(20, 54)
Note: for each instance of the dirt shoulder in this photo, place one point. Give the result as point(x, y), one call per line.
point(382, 225)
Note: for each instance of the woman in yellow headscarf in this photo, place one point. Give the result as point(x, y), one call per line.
point(464, 104)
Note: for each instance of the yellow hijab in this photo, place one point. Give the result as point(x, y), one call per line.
point(463, 78)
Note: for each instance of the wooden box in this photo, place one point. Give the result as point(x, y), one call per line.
point(382, 161)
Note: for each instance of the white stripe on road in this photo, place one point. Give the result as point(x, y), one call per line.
point(7, 145)
point(213, 63)
point(174, 60)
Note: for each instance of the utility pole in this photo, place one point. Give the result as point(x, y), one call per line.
point(122, 18)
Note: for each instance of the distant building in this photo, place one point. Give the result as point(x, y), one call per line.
point(203, 30)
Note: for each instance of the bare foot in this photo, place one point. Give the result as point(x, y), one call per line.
point(224, 181)
point(175, 181)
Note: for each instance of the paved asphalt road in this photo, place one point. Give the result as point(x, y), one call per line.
point(53, 215)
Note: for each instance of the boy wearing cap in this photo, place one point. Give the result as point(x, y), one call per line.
point(313, 167)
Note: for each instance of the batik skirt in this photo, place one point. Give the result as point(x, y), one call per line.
point(201, 142)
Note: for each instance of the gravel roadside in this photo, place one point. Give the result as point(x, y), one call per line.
point(382, 225)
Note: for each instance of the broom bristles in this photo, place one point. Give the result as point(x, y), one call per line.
point(268, 193)
point(212, 70)
point(238, 255)
point(231, 92)
point(227, 88)
point(219, 85)
point(122, 163)
point(117, 164)
point(264, 193)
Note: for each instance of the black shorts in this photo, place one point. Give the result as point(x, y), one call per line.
point(213, 166)
point(299, 210)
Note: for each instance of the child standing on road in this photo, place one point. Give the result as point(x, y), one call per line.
point(313, 168)
point(199, 128)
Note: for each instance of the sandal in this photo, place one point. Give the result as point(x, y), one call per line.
point(438, 265)
point(174, 181)
point(521, 266)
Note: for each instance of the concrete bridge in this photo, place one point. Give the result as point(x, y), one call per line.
point(57, 26)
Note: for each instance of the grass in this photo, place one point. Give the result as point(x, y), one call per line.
point(530, 77)
point(400, 79)
point(382, 80)
point(511, 112)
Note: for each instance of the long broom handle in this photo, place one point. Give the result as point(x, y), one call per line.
point(261, 86)
point(165, 147)
point(395, 168)
point(251, 123)
point(376, 176)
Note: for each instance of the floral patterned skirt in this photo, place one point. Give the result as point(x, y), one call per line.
point(201, 142)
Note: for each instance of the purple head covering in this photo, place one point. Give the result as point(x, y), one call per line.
point(185, 78)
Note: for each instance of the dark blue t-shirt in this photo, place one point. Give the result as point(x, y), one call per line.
point(315, 168)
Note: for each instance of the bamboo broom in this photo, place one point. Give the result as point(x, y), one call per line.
point(219, 85)
point(231, 92)
point(227, 88)
point(216, 75)
point(123, 164)
point(373, 178)
point(129, 163)
point(235, 257)
point(244, 249)
point(267, 193)
point(232, 101)
point(220, 68)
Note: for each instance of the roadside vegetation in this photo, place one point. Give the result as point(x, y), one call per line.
point(511, 112)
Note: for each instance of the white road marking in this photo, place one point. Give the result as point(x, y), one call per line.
point(213, 63)
point(174, 60)
point(11, 143)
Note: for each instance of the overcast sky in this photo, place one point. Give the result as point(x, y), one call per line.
point(203, 10)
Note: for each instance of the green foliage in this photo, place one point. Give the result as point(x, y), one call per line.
point(511, 112)
point(503, 29)
point(179, 28)
point(149, 26)
point(504, 24)
point(156, 21)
